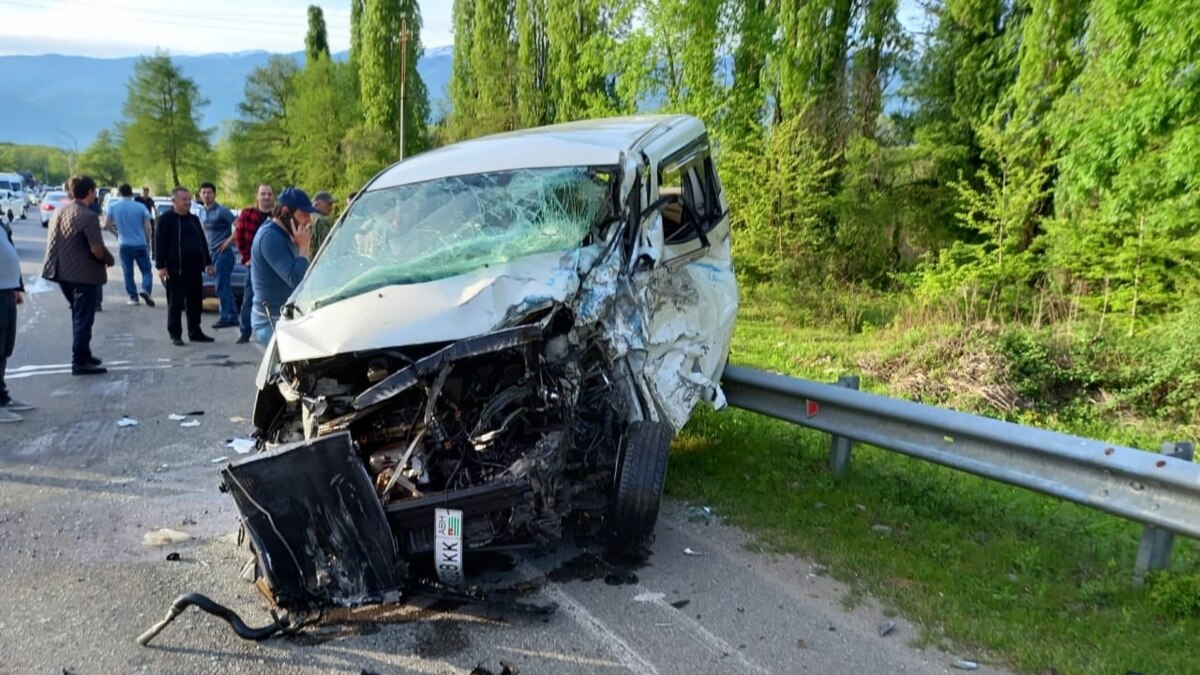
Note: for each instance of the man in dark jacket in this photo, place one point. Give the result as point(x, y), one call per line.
point(76, 258)
point(181, 256)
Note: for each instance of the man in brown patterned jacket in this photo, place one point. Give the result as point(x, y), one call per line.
point(77, 259)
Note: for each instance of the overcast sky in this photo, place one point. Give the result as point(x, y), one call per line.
point(112, 28)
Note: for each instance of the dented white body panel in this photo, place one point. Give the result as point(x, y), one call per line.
point(667, 310)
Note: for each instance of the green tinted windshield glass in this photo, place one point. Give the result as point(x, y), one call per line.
point(445, 227)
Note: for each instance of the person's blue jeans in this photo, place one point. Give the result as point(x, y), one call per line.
point(247, 307)
point(223, 262)
point(264, 328)
point(83, 299)
point(139, 255)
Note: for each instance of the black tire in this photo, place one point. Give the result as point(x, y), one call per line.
point(641, 473)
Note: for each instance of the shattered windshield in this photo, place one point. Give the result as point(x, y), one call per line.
point(427, 231)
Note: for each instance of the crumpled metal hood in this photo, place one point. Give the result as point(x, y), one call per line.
point(437, 311)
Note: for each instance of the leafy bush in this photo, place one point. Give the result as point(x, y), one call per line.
point(1176, 596)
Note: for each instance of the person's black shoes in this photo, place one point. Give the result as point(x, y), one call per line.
point(93, 361)
point(224, 324)
point(147, 299)
point(243, 339)
point(88, 369)
point(200, 337)
point(178, 342)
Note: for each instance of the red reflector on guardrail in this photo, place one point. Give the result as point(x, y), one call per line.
point(813, 408)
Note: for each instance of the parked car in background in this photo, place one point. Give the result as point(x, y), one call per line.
point(12, 197)
point(238, 278)
point(52, 201)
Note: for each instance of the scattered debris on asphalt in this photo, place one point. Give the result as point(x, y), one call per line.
point(173, 556)
point(190, 423)
point(127, 422)
point(692, 552)
point(886, 628)
point(165, 536)
point(238, 419)
point(240, 445)
point(218, 460)
point(700, 514)
point(963, 664)
point(194, 413)
point(176, 417)
point(680, 604)
point(506, 668)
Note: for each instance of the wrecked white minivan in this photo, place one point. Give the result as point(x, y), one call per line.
point(496, 336)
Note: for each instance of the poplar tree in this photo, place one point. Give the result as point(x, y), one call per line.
point(316, 41)
point(463, 90)
point(533, 107)
point(492, 58)
point(380, 72)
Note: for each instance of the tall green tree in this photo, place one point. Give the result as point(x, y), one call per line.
point(162, 133)
point(316, 41)
point(102, 159)
point(380, 68)
point(493, 57)
point(1126, 130)
point(755, 43)
point(533, 107)
point(322, 113)
point(262, 142)
point(463, 90)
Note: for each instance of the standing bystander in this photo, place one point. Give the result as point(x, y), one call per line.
point(130, 221)
point(181, 256)
point(280, 259)
point(246, 227)
point(12, 293)
point(218, 228)
point(321, 222)
point(76, 259)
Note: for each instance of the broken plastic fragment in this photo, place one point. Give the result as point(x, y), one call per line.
point(127, 422)
point(700, 514)
point(241, 445)
point(649, 597)
point(164, 536)
point(692, 552)
point(886, 628)
point(176, 417)
point(220, 459)
point(190, 423)
point(966, 665)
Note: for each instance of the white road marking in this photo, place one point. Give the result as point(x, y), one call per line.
point(594, 627)
point(697, 632)
point(67, 371)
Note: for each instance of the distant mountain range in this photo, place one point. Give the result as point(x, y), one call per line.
point(45, 100)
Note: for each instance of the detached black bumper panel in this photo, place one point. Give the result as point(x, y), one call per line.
point(320, 531)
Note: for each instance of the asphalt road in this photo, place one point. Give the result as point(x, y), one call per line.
point(78, 493)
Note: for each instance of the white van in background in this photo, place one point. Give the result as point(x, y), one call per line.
point(12, 197)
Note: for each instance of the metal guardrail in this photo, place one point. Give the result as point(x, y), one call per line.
point(1160, 490)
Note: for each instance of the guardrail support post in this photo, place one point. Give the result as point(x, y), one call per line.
point(840, 446)
point(1154, 553)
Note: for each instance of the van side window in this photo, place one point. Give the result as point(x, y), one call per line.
point(687, 181)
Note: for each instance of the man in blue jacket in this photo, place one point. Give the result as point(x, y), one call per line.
point(279, 258)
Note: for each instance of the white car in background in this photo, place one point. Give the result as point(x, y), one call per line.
point(12, 197)
point(51, 202)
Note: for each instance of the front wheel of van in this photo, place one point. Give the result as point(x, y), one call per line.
point(641, 474)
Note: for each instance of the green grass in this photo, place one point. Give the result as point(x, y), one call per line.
point(1008, 576)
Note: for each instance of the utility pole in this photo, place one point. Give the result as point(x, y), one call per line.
point(403, 79)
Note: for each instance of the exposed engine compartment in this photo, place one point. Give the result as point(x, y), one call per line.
point(528, 410)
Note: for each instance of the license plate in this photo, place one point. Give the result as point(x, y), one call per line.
point(448, 551)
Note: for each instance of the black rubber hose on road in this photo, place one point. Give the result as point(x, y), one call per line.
point(216, 609)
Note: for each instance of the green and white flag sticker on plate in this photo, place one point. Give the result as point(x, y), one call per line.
point(448, 546)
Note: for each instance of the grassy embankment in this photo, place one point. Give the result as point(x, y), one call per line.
point(1019, 579)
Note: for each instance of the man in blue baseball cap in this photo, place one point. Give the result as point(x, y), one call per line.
point(279, 259)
